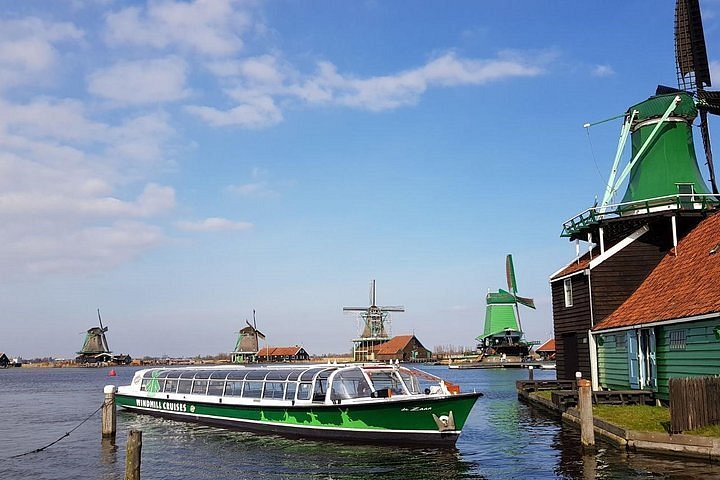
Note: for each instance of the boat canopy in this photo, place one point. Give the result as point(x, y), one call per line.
point(328, 383)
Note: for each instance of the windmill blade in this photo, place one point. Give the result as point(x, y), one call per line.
point(709, 101)
point(393, 308)
point(528, 302)
point(705, 134)
point(690, 53)
point(355, 309)
point(510, 273)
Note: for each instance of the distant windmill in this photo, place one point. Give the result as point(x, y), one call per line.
point(247, 345)
point(95, 344)
point(376, 326)
point(503, 331)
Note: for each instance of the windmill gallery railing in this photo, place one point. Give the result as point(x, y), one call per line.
point(680, 201)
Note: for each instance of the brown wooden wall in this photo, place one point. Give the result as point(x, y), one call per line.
point(612, 282)
point(571, 325)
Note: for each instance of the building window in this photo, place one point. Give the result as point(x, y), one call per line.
point(678, 339)
point(621, 340)
point(567, 286)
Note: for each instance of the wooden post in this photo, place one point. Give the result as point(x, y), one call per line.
point(531, 375)
point(587, 432)
point(109, 423)
point(132, 456)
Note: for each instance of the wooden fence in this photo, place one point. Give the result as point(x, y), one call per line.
point(694, 403)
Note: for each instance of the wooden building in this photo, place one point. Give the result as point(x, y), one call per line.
point(247, 345)
point(4, 360)
point(547, 350)
point(283, 354)
point(670, 326)
point(403, 348)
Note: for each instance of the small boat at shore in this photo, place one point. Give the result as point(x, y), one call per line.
point(368, 403)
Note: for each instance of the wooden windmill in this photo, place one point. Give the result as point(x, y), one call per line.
point(95, 347)
point(247, 345)
point(502, 333)
point(665, 197)
point(375, 327)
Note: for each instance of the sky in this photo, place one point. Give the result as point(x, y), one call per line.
point(181, 164)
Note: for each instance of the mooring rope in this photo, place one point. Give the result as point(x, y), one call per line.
point(67, 434)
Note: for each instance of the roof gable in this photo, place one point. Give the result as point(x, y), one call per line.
point(682, 285)
point(394, 345)
point(548, 346)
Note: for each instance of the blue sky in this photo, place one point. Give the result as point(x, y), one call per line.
point(178, 164)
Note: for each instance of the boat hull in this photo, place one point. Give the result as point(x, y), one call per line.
point(405, 421)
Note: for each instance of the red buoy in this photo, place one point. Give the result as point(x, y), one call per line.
point(112, 373)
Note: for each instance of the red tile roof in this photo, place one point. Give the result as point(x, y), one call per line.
point(577, 265)
point(394, 345)
point(279, 351)
point(681, 286)
point(548, 346)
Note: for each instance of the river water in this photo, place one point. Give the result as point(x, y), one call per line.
point(503, 439)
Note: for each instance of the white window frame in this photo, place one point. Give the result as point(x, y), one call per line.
point(567, 291)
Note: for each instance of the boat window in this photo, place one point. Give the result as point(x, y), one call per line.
point(252, 390)
point(294, 375)
point(233, 388)
point(290, 391)
point(321, 386)
point(203, 374)
point(215, 387)
point(410, 380)
point(349, 384)
point(237, 375)
point(184, 386)
point(173, 373)
point(170, 385)
point(386, 380)
point(304, 391)
point(278, 375)
point(309, 374)
point(199, 387)
point(256, 374)
point(188, 374)
point(274, 390)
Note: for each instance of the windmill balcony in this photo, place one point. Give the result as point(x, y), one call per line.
point(677, 202)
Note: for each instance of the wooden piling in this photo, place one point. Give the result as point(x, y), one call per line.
point(587, 432)
point(531, 373)
point(133, 455)
point(109, 422)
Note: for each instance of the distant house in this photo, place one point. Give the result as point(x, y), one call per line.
point(4, 360)
point(404, 348)
point(283, 354)
point(670, 326)
point(547, 350)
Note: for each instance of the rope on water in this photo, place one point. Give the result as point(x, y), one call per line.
point(67, 434)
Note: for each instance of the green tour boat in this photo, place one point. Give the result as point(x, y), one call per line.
point(369, 403)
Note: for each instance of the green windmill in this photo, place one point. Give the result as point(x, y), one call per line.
point(503, 331)
point(662, 175)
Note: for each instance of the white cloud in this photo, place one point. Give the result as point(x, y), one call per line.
point(27, 48)
point(260, 82)
point(213, 224)
point(58, 249)
point(603, 71)
point(207, 27)
point(255, 113)
point(140, 82)
point(256, 189)
point(64, 178)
